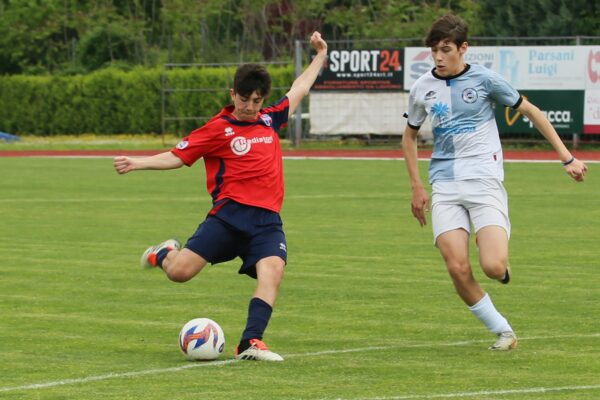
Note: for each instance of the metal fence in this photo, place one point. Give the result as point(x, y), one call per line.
point(299, 126)
point(172, 119)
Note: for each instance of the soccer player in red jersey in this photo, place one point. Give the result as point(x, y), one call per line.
point(243, 161)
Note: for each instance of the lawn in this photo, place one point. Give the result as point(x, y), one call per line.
point(366, 309)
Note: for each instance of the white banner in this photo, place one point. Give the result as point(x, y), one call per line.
point(591, 111)
point(543, 67)
point(524, 67)
point(360, 113)
point(418, 61)
point(592, 67)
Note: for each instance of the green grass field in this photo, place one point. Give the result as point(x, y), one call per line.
point(366, 309)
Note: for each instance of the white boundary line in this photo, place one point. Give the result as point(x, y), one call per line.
point(62, 200)
point(480, 393)
point(422, 159)
point(134, 374)
point(347, 158)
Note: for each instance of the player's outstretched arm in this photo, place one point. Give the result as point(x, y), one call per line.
point(420, 198)
point(166, 160)
point(575, 168)
point(303, 83)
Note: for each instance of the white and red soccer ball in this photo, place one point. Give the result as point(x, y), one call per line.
point(201, 339)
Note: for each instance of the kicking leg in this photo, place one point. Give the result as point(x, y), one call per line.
point(180, 265)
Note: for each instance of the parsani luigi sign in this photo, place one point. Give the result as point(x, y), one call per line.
point(543, 68)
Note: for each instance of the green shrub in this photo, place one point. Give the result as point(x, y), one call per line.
point(114, 101)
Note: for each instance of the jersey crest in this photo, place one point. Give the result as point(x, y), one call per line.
point(266, 118)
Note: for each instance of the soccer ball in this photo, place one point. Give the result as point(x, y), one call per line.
point(201, 339)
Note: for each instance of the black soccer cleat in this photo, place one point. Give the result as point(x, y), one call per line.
point(506, 277)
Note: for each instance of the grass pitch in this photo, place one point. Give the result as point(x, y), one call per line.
point(366, 310)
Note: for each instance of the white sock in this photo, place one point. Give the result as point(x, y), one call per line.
point(485, 312)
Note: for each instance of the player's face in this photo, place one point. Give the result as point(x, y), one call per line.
point(246, 108)
point(449, 59)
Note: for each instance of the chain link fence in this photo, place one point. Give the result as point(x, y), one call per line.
point(300, 128)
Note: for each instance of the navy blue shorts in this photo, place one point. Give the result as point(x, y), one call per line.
point(237, 230)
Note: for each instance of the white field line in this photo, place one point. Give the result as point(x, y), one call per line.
point(480, 393)
point(134, 374)
point(421, 159)
point(195, 199)
point(332, 158)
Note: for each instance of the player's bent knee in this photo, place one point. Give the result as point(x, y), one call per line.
point(179, 275)
point(494, 269)
point(459, 270)
point(271, 270)
point(185, 266)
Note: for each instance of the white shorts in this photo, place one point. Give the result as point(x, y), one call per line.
point(458, 204)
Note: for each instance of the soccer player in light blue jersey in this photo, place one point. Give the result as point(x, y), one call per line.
point(466, 171)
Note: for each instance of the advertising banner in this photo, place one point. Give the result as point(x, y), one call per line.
point(524, 67)
point(543, 67)
point(591, 112)
point(564, 110)
point(370, 70)
point(592, 67)
point(418, 61)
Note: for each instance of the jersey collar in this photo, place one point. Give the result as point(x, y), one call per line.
point(447, 78)
point(226, 114)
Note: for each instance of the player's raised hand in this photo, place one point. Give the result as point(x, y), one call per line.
point(318, 43)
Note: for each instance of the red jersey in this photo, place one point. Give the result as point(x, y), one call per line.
point(243, 159)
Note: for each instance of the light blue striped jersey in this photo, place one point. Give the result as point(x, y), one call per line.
point(461, 107)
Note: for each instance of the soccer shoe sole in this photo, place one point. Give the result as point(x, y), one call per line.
point(505, 343)
point(254, 354)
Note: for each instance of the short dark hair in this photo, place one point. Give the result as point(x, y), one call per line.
point(250, 78)
point(449, 27)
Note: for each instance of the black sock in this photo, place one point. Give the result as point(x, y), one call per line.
point(259, 314)
point(161, 255)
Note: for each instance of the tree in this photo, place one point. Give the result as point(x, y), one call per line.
point(67, 36)
point(540, 17)
point(34, 36)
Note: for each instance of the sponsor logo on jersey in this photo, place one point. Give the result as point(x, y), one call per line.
point(182, 145)
point(240, 145)
point(229, 131)
point(469, 95)
point(430, 95)
point(266, 118)
point(283, 247)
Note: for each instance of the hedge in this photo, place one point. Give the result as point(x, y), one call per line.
point(114, 101)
